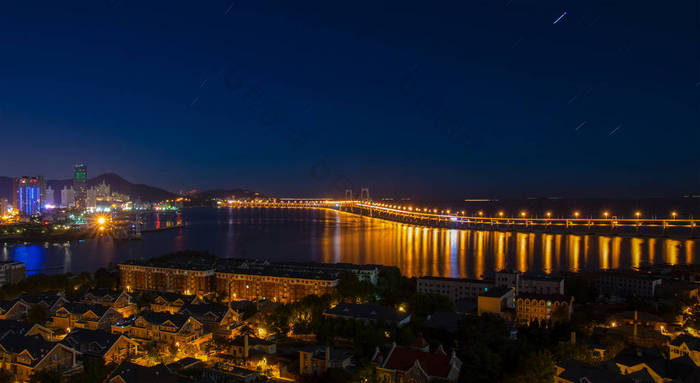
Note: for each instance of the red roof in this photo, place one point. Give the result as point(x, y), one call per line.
point(433, 363)
point(420, 342)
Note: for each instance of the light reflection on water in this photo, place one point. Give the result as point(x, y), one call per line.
point(329, 236)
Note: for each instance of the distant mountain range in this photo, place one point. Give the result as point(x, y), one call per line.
point(118, 184)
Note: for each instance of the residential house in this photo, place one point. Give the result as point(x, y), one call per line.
point(24, 355)
point(368, 313)
point(121, 301)
point(631, 361)
point(318, 359)
point(243, 345)
point(214, 317)
point(685, 345)
point(573, 371)
point(49, 301)
point(177, 330)
point(13, 309)
point(81, 315)
point(9, 326)
point(173, 302)
point(407, 364)
point(112, 348)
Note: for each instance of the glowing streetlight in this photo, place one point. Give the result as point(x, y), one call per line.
point(101, 220)
point(481, 213)
point(500, 214)
point(638, 213)
point(523, 213)
point(605, 214)
point(549, 214)
point(576, 214)
point(674, 214)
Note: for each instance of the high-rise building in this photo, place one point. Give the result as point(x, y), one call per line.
point(67, 197)
point(80, 185)
point(27, 194)
point(50, 196)
point(4, 206)
point(91, 198)
point(103, 190)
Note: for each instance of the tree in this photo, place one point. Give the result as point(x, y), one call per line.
point(422, 305)
point(104, 279)
point(46, 376)
point(538, 367)
point(37, 314)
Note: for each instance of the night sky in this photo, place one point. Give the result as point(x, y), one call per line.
point(447, 99)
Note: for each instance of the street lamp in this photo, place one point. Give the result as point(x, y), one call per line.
point(576, 214)
point(673, 214)
point(500, 214)
point(605, 213)
point(549, 214)
point(522, 213)
point(481, 213)
point(638, 213)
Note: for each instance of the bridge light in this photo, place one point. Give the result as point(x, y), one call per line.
point(576, 214)
point(673, 214)
point(638, 213)
point(605, 213)
point(500, 214)
point(481, 213)
point(523, 213)
point(549, 214)
point(462, 212)
point(448, 211)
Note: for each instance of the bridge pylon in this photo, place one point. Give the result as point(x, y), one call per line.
point(348, 194)
point(364, 194)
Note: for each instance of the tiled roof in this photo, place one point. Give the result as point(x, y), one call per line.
point(367, 311)
point(435, 364)
point(184, 363)
point(36, 345)
point(17, 327)
point(692, 342)
point(97, 341)
point(162, 317)
point(199, 311)
point(576, 371)
point(48, 298)
point(82, 308)
point(134, 373)
point(7, 305)
point(102, 293)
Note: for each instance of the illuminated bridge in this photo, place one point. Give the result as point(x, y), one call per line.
point(638, 224)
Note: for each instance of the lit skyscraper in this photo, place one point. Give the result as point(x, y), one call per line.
point(80, 185)
point(27, 195)
point(67, 197)
point(50, 197)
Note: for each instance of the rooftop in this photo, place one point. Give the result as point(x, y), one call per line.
point(367, 311)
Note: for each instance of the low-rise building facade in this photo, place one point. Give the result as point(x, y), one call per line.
point(543, 308)
point(454, 288)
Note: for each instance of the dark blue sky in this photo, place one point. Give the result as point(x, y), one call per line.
point(449, 99)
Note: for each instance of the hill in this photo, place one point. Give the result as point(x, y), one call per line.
point(116, 183)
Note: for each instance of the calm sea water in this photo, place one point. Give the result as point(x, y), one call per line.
point(329, 236)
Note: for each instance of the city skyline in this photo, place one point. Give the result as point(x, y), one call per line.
point(500, 99)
